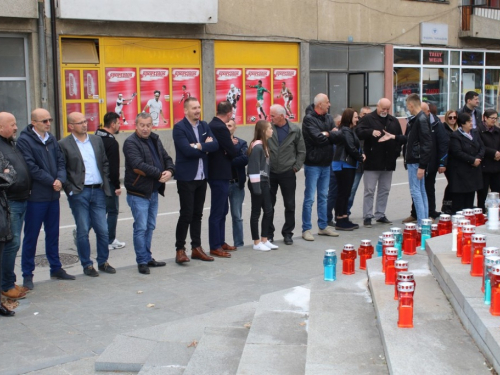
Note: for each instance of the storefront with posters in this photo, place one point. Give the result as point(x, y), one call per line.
point(443, 76)
point(244, 64)
point(124, 75)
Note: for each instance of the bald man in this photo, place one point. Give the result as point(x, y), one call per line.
point(87, 186)
point(17, 195)
point(380, 160)
point(48, 173)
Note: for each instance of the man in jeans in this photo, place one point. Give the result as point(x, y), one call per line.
point(287, 153)
point(147, 168)
point(237, 184)
point(17, 195)
point(319, 132)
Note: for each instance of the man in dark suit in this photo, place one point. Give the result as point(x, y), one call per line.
point(219, 172)
point(193, 140)
point(87, 186)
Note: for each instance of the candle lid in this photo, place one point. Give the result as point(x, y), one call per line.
point(329, 252)
point(410, 226)
point(406, 287)
point(427, 221)
point(387, 235)
point(492, 260)
point(468, 211)
point(348, 247)
point(478, 211)
point(490, 251)
point(396, 230)
point(478, 237)
point(388, 242)
point(463, 222)
point(405, 276)
point(366, 242)
point(434, 226)
point(457, 218)
point(444, 217)
point(469, 228)
point(391, 251)
point(495, 269)
point(400, 263)
point(493, 195)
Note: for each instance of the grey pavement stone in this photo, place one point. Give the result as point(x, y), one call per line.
point(432, 345)
point(268, 359)
point(218, 352)
point(126, 354)
point(343, 337)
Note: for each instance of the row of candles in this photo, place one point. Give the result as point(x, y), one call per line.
point(392, 245)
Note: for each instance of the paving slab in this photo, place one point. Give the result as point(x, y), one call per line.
point(276, 343)
point(438, 343)
point(343, 337)
point(218, 352)
point(464, 294)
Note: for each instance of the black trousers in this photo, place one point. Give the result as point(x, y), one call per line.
point(430, 190)
point(287, 182)
point(191, 199)
point(490, 180)
point(345, 180)
point(462, 200)
point(260, 202)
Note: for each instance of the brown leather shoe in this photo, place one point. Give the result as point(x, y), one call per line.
point(198, 253)
point(181, 257)
point(21, 289)
point(220, 253)
point(14, 294)
point(227, 247)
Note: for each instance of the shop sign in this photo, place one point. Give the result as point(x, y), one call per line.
point(433, 33)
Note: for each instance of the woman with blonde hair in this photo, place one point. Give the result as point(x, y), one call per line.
point(258, 184)
point(450, 121)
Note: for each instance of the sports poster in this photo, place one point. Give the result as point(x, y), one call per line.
point(122, 81)
point(229, 86)
point(257, 100)
point(73, 84)
point(185, 84)
point(92, 116)
point(73, 107)
point(151, 80)
point(285, 91)
point(91, 81)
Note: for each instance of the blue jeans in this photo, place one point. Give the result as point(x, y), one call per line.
point(417, 191)
point(89, 211)
point(36, 214)
point(144, 212)
point(332, 196)
point(112, 206)
point(17, 211)
point(317, 178)
point(357, 179)
point(236, 197)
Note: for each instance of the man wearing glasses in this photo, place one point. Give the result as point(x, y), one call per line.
point(87, 186)
point(48, 174)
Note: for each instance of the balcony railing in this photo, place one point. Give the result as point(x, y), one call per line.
point(490, 10)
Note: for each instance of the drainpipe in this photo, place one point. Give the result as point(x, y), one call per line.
point(55, 72)
point(42, 55)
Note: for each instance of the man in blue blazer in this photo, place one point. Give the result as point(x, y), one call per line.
point(193, 140)
point(219, 171)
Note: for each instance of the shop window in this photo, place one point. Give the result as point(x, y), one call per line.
point(473, 58)
point(472, 80)
point(455, 58)
point(454, 88)
point(435, 88)
point(492, 59)
point(435, 57)
point(406, 82)
point(491, 91)
point(406, 56)
point(328, 57)
point(375, 88)
point(79, 51)
point(366, 58)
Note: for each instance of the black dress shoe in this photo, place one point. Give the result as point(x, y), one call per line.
point(288, 240)
point(106, 267)
point(90, 271)
point(5, 311)
point(154, 263)
point(61, 275)
point(384, 220)
point(144, 269)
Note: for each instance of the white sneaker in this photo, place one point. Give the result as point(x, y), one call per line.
point(307, 235)
point(328, 231)
point(116, 245)
point(125, 122)
point(260, 246)
point(270, 245)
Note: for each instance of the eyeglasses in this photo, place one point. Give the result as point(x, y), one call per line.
point(452, 117)
point(493, 118)
point(84, 122)
point(46, 121)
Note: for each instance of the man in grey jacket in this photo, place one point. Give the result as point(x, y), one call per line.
point(287, 154)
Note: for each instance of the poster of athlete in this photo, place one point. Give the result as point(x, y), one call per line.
point(185, 83)
point(229, 84)
point(258, 95)
point(121, 92)
point(73, 84)
point(285, 90)
point(91, 80)
point(155, 95)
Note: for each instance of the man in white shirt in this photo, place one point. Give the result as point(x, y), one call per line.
point(155, 109)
